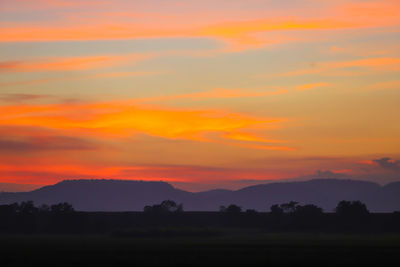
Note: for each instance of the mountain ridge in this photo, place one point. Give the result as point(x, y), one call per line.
point(133, 195)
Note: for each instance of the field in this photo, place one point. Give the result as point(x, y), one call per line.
point(233, 247)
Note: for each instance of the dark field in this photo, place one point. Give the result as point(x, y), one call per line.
point(63, 237)
point(233, 247)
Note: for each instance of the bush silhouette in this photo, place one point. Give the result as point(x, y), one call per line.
point(289, 207)
point(44, 208)
point(166, 206)
point(276, 210)
point(251, 212)
point(308, 210)
point(231, 209)
point(62, 208)
point(26, 207)
point(351, 208)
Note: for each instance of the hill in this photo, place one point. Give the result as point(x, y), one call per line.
point(122, 195)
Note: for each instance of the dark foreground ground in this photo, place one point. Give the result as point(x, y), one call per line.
point(209, 247)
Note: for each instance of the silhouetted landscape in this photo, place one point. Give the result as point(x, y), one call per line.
point(120, 195)
point(116, 222)
point(288, 234)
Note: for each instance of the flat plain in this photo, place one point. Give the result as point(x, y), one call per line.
point(235, 247)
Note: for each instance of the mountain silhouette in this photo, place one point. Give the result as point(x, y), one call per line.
point(123, 195)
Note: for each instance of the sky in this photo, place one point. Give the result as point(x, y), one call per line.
point(201, 94)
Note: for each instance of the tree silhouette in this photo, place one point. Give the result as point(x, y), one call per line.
point(289, 207)
point(165, 207)
point(308, 210)
point(276, 210)
point(179, 208)
point(251, 212)
point(351, 208)
point(26, 207)
point(231, 209)
point(44, 208)
point(169, 205)
point(62, 208)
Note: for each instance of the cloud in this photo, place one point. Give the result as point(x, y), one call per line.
point(265, 147)
point(237, 35)
point(388, 164)
point(372, 10)
point(329, 68)
point(46, 5)
point(394, 84)
point(310, 86)
point(69, 63)
point(127, 118)
point(45, 143)
point(13, 98)
point(237, 30)
point(239, 27)
point(78, 77)
point(250, 137)
point(217, 93)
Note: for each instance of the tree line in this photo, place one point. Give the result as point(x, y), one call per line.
point(28, 207)
point(345, 208)
point(348, 208)
point(348, 216)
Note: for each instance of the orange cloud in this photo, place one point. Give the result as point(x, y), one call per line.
point(242, 28)
point(342, 171)
point(237, 28)
point(22, 5)
point(249, 137)
point(69, 64)
point(215, 94)
point(126, 119)
point(121, 74)
point(239, 31)
point(266, 147)
point(386, 11)
point(368, 62)
point(380, 63)
point(310, 86)
point(368, 162)
point(395, 84)
point(78, 77)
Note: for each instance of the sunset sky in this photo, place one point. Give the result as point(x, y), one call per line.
point(201, 94)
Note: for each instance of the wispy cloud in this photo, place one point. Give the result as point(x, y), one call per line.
point(310, 86)
point(394, 84)
point(44, 143)
point(70, 63)
point(388, 163)
point(216, 93)
point(125, 118)
point(79, 77)
point(242, 31)
point(329, 68)
point(15, 98)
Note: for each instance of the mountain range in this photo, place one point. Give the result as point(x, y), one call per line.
point(125, 195)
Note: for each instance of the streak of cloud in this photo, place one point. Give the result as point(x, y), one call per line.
point(126, 119)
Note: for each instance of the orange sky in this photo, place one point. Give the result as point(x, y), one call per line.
point(202, 94)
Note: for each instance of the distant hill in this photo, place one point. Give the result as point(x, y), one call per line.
point(122, 195)
point(12, 187)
